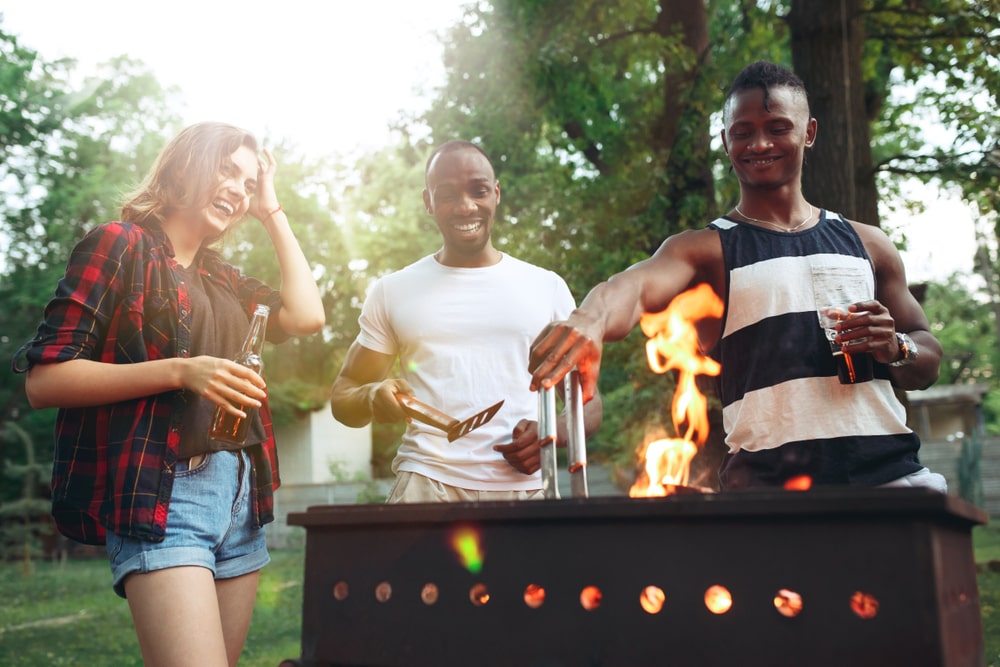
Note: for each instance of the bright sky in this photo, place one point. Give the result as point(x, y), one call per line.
point(327, 74)
point(941, 240)
point(330, 75)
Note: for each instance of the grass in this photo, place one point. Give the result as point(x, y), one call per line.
point(68, 615)
point(987, 545)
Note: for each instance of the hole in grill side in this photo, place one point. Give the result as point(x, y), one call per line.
point(341, 590)
point(479, 595)
point(865, 605)
point(651, 599)
point(718, 599)
point(788, 603)
point(590, 598)
point(534, 596)
point(429, 593)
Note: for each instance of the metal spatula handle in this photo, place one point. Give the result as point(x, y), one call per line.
point(426, 414)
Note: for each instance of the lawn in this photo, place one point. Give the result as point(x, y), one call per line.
point(68, 615)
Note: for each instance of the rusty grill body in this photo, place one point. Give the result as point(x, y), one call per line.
point(909, 548)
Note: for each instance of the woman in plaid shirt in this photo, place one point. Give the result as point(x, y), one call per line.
point(135, 351)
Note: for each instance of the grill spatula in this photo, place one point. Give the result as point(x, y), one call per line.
point(433, 417)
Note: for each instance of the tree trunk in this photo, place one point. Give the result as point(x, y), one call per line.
point(827, 40)
point(688, 171)
point(689, 18)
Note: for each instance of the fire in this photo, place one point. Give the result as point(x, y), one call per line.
point(468, 545)
point(667, 464)
point(673, 345)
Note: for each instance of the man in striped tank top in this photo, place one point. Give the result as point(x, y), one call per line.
point(774, 260)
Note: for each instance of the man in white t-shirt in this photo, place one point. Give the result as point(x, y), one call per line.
point(461, 322)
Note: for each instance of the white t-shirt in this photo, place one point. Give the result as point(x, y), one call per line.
point(462, 337)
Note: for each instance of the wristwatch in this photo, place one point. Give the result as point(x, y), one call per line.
point(908, 350)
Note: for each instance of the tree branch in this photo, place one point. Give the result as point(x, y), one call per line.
point(939, 34)
point(945, 158)
point(649, 30)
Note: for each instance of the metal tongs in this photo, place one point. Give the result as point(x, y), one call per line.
point(576, 446)
point(455, 429)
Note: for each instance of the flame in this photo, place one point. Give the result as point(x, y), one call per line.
point(468, 545)
point(667, 464)
point(673, 345)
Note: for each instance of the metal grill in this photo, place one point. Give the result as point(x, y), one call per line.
point(824, 577)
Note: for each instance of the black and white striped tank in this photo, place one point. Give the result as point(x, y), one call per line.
point(785, 412)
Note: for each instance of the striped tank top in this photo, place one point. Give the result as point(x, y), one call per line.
point(784, 410)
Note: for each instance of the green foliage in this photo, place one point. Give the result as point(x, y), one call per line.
point(299, 371)
point(964, 321)
point(23, 521)
point(69, 150)
point(986, 541)
point(599, 117)
point(932, 68)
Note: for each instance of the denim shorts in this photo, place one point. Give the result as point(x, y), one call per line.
point(209, 524)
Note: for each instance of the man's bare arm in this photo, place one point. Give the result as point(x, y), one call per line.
point(903, 314)
point(363, 390)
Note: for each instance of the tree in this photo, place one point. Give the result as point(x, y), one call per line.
point(69, 155)
point(827, 43)
point(301, 370)
point(880, 73)
point(597, 113)
point(22, 519)
point(962, 320)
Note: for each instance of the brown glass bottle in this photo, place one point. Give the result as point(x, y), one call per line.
point(229, 427)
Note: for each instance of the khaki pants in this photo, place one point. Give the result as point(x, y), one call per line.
point(411, 487)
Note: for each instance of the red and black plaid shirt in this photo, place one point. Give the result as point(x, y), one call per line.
point(121, 302)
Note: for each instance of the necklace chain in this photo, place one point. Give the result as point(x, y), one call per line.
point(774, 224)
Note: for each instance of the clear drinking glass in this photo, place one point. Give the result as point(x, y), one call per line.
point(852, 368)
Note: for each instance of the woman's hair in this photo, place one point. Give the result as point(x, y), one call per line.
point(186, 172)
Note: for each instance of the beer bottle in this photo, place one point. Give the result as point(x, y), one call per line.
point(228, 427)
